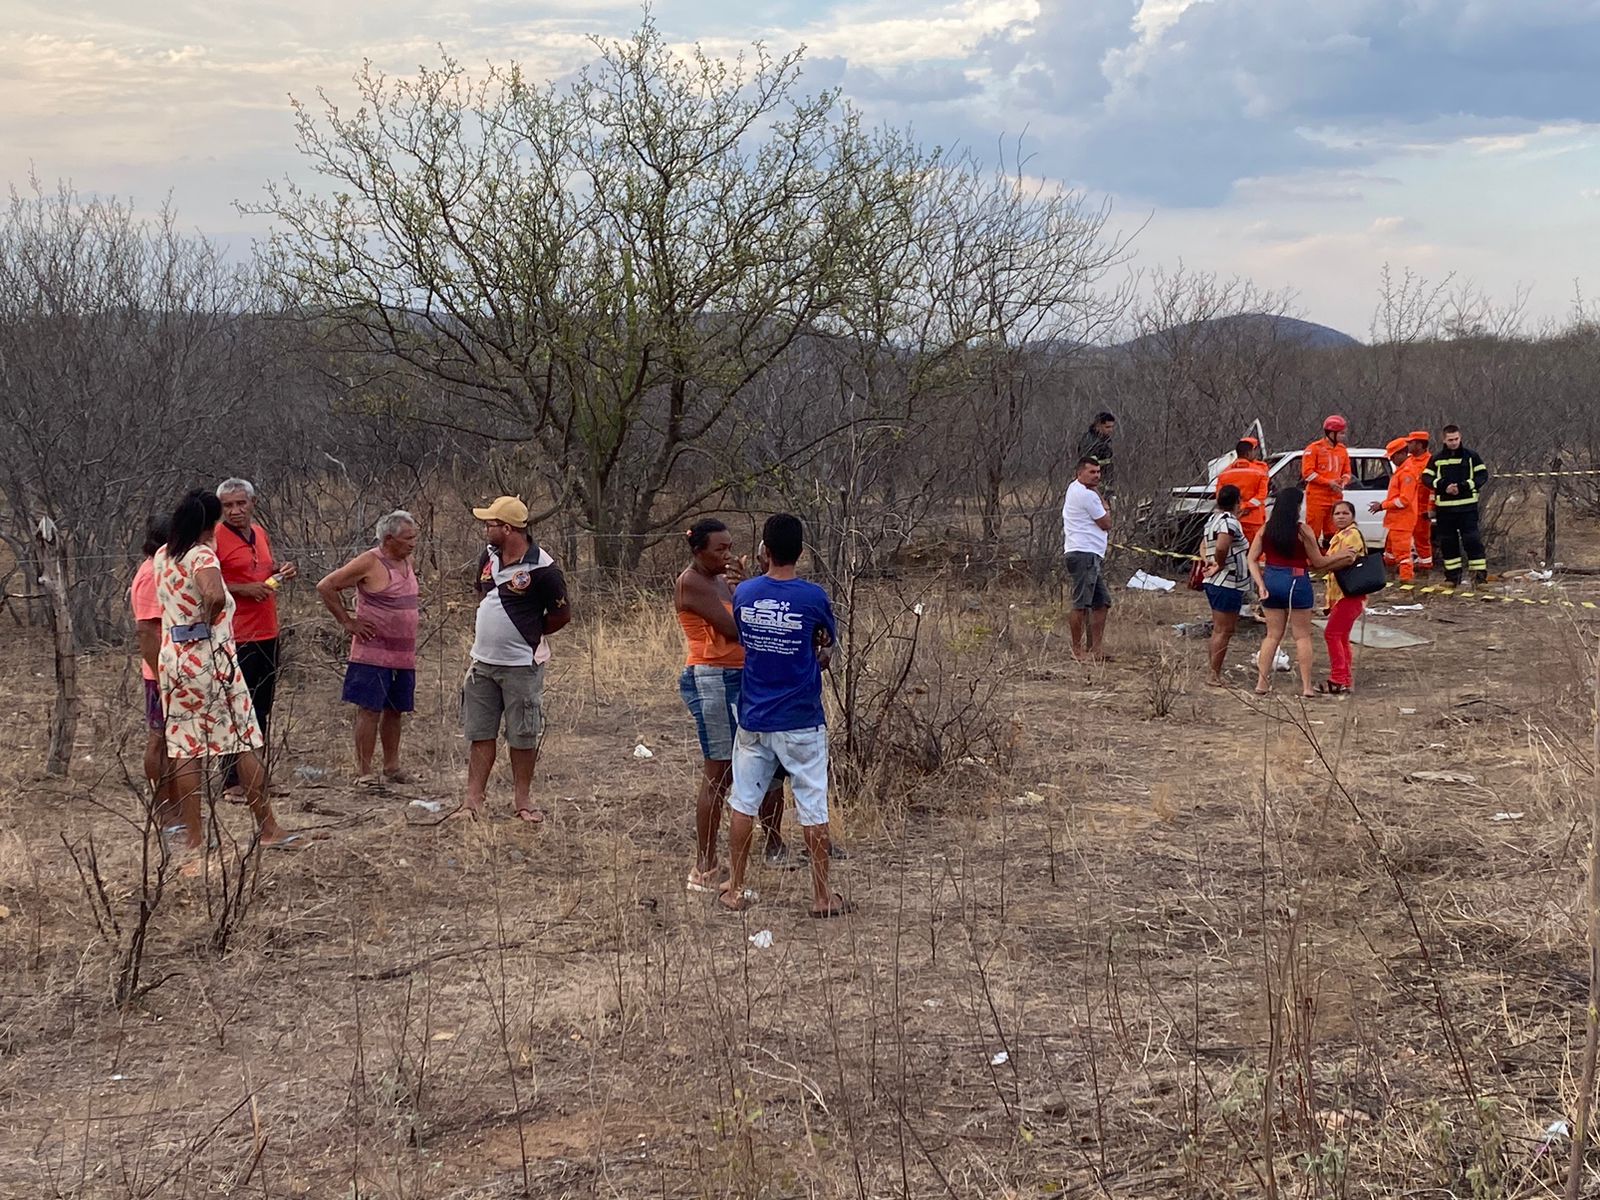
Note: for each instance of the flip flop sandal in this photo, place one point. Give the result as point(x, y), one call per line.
point(293, 843)
point(839, 908)
point(709, 882)
point(747, 900)
point(400, 778)
point(366, 781)
point(529, 816)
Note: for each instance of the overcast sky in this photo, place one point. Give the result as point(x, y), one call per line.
point(1302, 144)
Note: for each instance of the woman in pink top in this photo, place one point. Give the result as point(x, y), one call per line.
point(147, 625)
point(381, 680)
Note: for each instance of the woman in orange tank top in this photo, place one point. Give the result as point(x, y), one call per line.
point(709, 686)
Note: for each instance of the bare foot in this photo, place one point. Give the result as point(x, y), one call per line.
point(1217, 681)
point(399, 775)
point(530, 815)
point(1263, 690)
point(467, 812)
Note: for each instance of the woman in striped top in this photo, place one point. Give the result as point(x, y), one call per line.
point(381, 680)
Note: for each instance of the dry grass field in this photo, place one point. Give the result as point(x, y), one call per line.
point(1147, 939)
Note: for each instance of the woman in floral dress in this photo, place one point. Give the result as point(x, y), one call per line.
point(203, 693)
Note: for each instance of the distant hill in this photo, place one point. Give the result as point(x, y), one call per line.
point(1245, 327)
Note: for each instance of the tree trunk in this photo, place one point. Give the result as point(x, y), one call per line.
point(52, 544)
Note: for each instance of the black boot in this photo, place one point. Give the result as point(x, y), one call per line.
point(1453, 578)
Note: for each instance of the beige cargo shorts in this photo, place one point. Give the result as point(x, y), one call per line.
point(491, 692)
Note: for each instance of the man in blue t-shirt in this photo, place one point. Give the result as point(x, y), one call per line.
point(787, 629)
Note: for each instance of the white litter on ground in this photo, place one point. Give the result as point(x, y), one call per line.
point(1143, 581)
point(643, 751)
point(762, 940)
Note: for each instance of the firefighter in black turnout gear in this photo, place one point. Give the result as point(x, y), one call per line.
point(1457, 476)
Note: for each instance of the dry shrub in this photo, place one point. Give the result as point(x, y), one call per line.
point(920, 689)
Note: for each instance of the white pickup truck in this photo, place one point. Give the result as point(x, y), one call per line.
point(1370, 470)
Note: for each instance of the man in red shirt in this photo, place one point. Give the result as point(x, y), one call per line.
point(249, 572)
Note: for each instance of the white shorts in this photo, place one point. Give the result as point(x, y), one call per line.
point(803, 753)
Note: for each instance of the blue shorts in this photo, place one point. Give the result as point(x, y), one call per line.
point(1224, 599)
point(380, 689)
point(711, 694)
point(1288, 587)
point(757, 758)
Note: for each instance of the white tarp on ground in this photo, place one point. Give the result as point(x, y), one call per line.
point(1143, 581)
point(1381, 637)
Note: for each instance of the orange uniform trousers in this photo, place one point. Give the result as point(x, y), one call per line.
point(1397, 543)
point(1319, 509)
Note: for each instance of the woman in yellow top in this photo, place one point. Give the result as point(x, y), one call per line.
point(709, 686)
point(1343, 611)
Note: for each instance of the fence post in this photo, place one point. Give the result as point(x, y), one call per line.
point(52, 546)
point(1550, 512)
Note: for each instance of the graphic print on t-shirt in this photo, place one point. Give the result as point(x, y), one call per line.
point(778, 621)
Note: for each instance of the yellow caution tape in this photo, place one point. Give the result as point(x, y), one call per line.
point(1158, 553)
point(1421, 589)
point(1541, 474)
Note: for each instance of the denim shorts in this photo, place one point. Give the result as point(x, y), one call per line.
point(1087, 573)
point(380, 689)
point(1288, 587)
point(711, 694)
point(802, 752)
point(154, 719)
point(1224, 599)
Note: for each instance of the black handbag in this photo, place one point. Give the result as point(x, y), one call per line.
point(1364, 576)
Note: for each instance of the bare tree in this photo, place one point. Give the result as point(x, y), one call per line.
point(604, 270)
point(125, 347)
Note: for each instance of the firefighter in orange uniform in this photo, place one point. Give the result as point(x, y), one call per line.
point(1251, 476)
point(1424, 502)
point(1325, 468)
point(1399, 508)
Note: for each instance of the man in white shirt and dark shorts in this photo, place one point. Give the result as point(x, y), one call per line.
point(524, 600)
point(1085, 527)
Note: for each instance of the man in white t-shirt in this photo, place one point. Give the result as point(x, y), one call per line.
point(523, 600)
point(1085, 526)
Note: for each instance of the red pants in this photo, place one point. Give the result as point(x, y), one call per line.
point(1319, 511)
point(1424, 535)
point(1397, 552)
point(1337, 635)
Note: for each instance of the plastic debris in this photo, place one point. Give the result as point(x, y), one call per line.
point(1555, 1132)
point(432, 806)
point(1541, 576)
point(1508, 816)
point(1143, 581)
point(762, 940)
point(1030, 799)
point(1193, 629)
point(1280, 661)
point(1408, 712)
point(1000, 1059)
point(307, 774)
point(643, 751)
point(916, 610)
point(1440, 777)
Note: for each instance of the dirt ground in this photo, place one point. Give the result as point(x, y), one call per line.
point(1171, 940)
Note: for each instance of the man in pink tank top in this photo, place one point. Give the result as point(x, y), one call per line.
point(381, 680)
